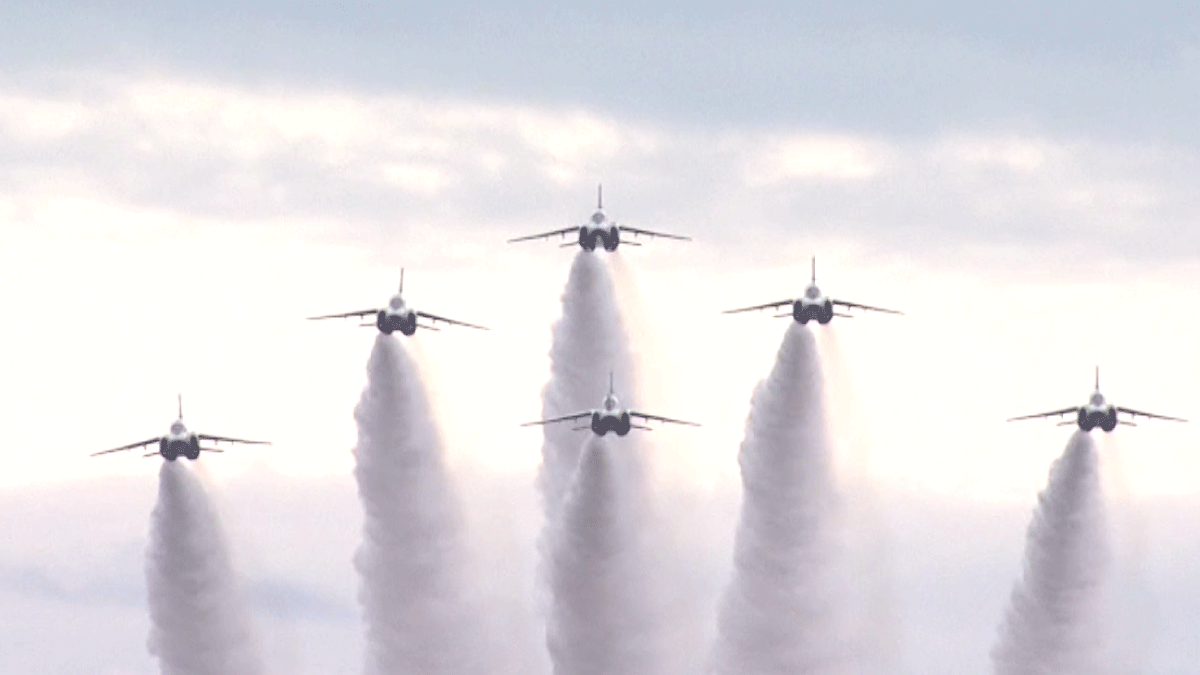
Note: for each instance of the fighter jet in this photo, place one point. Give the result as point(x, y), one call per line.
point(1097, 412)
point(814, 305)
point(179, 442)
point(398, 316)
point(611, 418)
point(600, 231)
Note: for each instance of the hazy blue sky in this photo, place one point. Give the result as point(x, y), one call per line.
point(180, 185)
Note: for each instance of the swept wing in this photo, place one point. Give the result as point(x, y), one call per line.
point(1131, 411)
point(140, 444)
point(435, 318)
point(769, 305)
point(346, 315)
point(856, 305)
point(564, 418)
point(547, 235)
point(226, 439)
point(1052, 413)
point(659, 418)
point(652, 233)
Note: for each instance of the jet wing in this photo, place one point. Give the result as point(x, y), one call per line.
point(140, 444)
point(657, 418)
point(769, 305)
point(651, 233)
point(855, 305)
point(435, 318)
point(361, 312)
point(547, 235)
point(218, 439)
point(564, 418)
point(1135, 413)
point(1052, 413)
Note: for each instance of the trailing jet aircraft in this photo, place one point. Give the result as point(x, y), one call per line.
point(612, 417)
point(1097, 412)
point(397, 316)
point(179, 442)
point(600, 231)
point(813, 305)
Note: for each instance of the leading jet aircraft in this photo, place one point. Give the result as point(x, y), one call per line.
point(397, 316)
point(179, 442)
point(612, 417)
point(1097, 412)
point(813, 305)
point(600, 231)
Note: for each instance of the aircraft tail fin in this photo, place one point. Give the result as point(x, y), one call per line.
point(600, 196)
point(1097, 378)
point(179, 398)
point(401, 279)
point(612, 389)
point(814, 269)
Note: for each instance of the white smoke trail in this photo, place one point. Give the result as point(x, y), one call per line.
point(599, 623)
point(1052, 626)
point(595, 558)
point(198, 622)
point(412, 559)
point(589, 341)
point(778, 615)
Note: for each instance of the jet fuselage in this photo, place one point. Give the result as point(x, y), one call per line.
point(612, 418)
point(1097, 413)
point(813, 307)
point(179, 442)
point(598, 232)
point(604, 423)
point(396, 317)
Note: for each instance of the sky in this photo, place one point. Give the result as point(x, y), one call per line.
point(180, 186)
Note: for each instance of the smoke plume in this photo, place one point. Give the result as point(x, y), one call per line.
point(595, 559)
point(1051, 627)
point(778, 615)
point(198, 622)
point(589, 341)
point(412, 559)
point(599, 623)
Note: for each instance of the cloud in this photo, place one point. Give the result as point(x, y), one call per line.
point(392, 167)
point(1068, 68)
